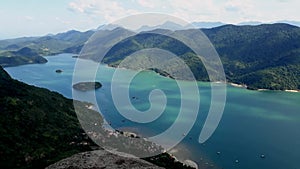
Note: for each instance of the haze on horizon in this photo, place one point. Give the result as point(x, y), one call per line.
point(36, 18)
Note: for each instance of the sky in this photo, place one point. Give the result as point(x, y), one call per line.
point(21, 18)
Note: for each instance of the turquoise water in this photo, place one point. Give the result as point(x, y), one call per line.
point(253, 122)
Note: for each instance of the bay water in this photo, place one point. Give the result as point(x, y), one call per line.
point(254, 123)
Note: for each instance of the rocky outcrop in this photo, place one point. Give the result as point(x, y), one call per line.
point(86, 86)
point(101, 159)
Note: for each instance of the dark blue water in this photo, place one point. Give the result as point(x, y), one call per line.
point(253, 122)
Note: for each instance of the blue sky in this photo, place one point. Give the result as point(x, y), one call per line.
point(36, 17)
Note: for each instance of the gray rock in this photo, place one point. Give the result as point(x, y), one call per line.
point(101, 159)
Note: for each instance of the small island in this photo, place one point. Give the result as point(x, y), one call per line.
point(58, 71)
point(86, 86)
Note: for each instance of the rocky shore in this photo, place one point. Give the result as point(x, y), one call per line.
point(101, 159)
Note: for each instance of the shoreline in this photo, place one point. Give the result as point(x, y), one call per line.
point(134, 134)
point(218, 82)
point(289, 91)
point(227, 83)
point(260, 90)
point(292, 91)
point(113, 66)
point(237, 85)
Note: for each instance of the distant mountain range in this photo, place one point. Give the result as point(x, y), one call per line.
point(31, 49)
point(202, 25)
point(253, 23)
point(259, 56)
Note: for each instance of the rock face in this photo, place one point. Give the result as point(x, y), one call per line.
point(101, 159)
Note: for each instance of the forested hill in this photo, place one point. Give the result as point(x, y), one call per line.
point(37, 127)
point(264, 56)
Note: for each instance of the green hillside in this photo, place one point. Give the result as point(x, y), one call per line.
point(23, 56)
point(264, 56)
point(153, 40)
point(37, 126)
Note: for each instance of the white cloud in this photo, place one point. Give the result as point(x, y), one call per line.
point(76, 7)
point(109, 10)
point(232, 11)
point(146, 3)
point(87, 14)
point(194, 10)
point(29, 18)
point(244, 6)
point(62, 21)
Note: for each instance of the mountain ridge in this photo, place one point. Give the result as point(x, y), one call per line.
point(249, 53)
